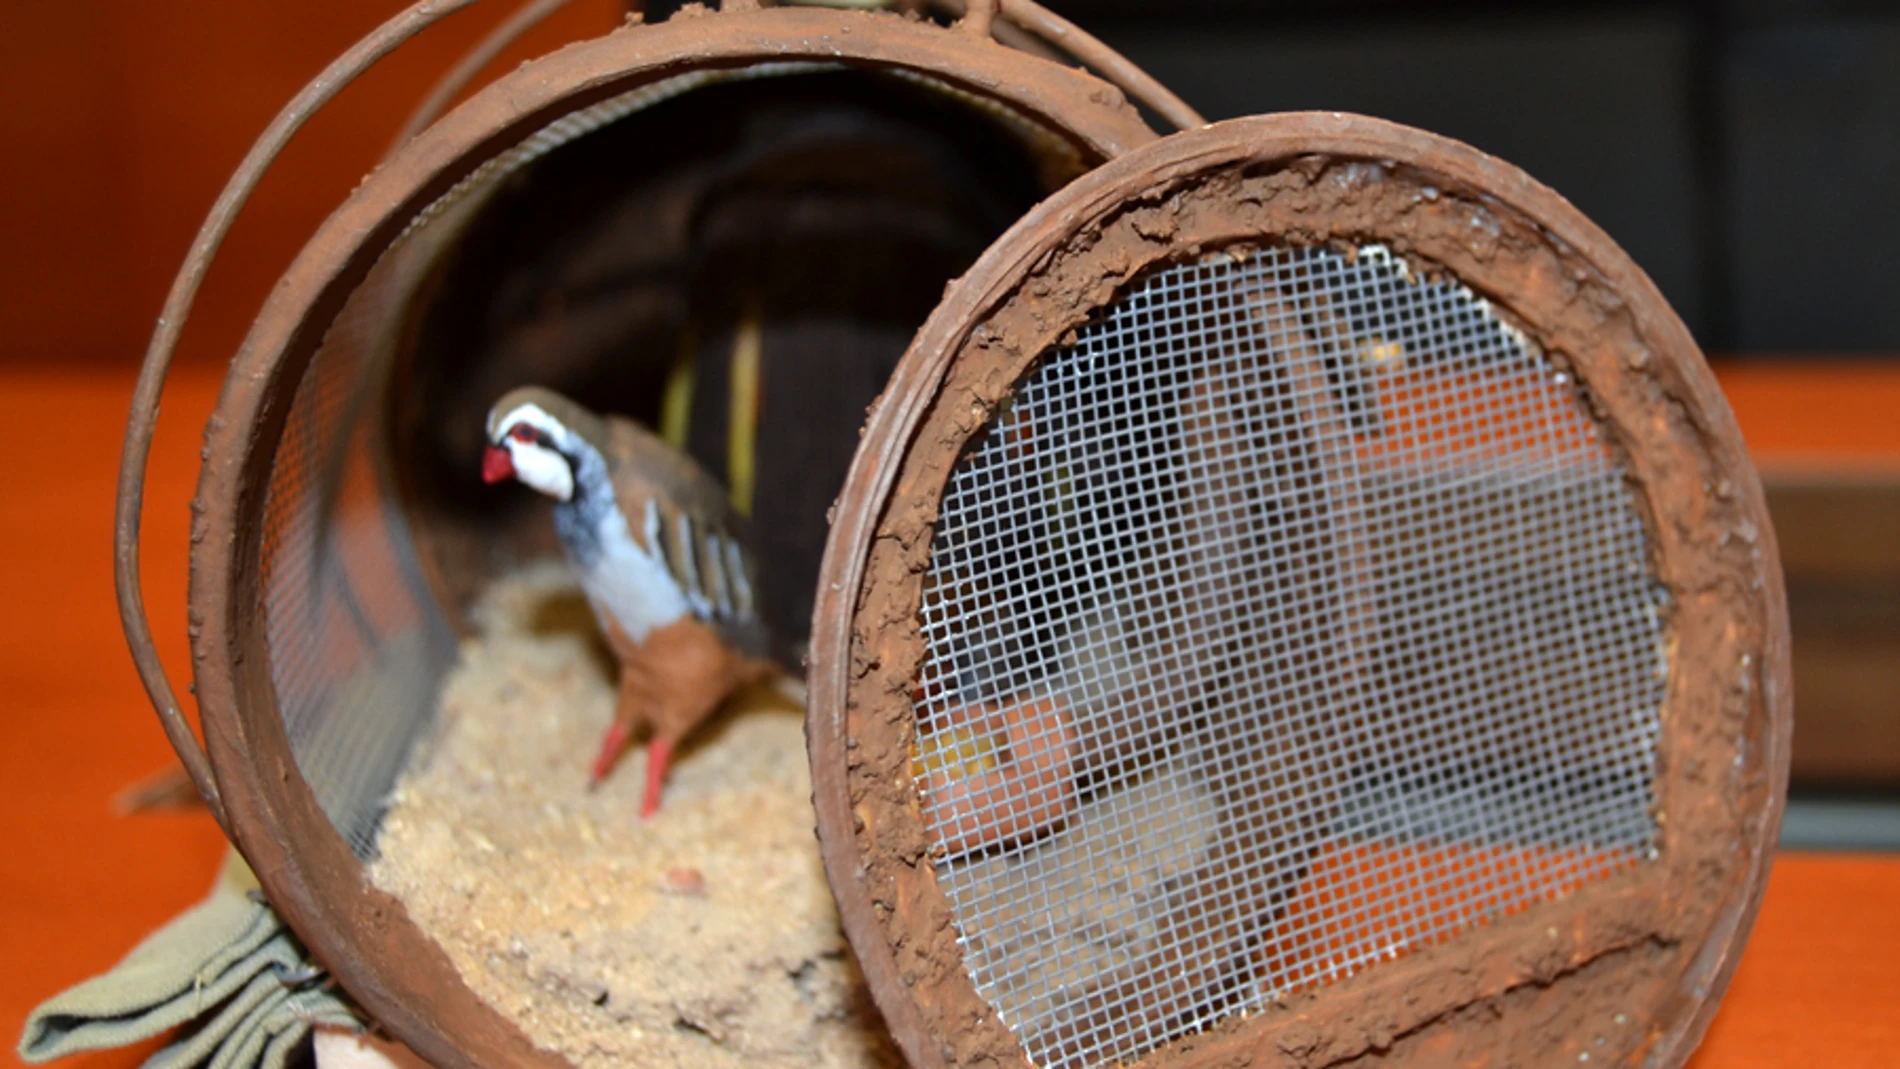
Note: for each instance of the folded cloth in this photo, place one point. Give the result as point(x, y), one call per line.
point(228, 967)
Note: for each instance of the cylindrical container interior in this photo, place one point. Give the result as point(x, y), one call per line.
point(727, 227)
point(798, 227)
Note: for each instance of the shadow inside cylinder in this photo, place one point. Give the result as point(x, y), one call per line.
point(776, 238)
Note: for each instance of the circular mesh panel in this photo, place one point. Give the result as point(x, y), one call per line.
point(1293, 618)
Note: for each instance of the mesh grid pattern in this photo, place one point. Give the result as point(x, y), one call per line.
point(1293, 619)
point(357, 645)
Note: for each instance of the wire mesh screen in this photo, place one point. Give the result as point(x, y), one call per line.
point(1292, 619)
point(357, 644)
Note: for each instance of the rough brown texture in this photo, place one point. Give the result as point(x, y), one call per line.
point(1312, 179)
point(703, 937)
point(1581, 1018)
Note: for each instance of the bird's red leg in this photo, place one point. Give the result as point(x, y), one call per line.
point(630, 707)
point(610, 747)
point(659, 756)
point(672, 682)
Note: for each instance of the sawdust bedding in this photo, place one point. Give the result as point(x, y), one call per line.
point(705, 937)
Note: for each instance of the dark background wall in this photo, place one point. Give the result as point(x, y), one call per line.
point(1746, 152)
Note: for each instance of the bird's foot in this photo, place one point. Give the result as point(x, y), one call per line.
point(659, 755)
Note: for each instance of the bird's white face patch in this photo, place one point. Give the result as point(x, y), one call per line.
point(536, 465)
point(541, 468)
point(534, 416)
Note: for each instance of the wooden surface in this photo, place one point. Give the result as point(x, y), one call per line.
point(122, 120)
point(79, 884)
point(1827, 437)
point(1799, 415)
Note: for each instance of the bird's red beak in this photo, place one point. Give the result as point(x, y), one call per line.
point(497, 465)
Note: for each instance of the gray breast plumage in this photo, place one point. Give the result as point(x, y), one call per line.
point(645, 562)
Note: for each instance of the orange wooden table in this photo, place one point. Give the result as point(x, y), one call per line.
point(1818, 987)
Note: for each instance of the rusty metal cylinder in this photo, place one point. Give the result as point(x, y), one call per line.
point(599, 220)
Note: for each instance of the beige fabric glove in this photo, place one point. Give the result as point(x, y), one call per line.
point(227, 964)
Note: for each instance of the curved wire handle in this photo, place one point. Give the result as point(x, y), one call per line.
point(979, 18)
point(1055, 30)
point(142, 423)
point(512, 29)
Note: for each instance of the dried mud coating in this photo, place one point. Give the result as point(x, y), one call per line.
point(705, 937)
point(1637, 944)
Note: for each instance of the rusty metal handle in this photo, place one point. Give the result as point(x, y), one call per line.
point(979, 18)
point(142, 423)
point(1059, 33)
point(1111, 65)
point(511, 29)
